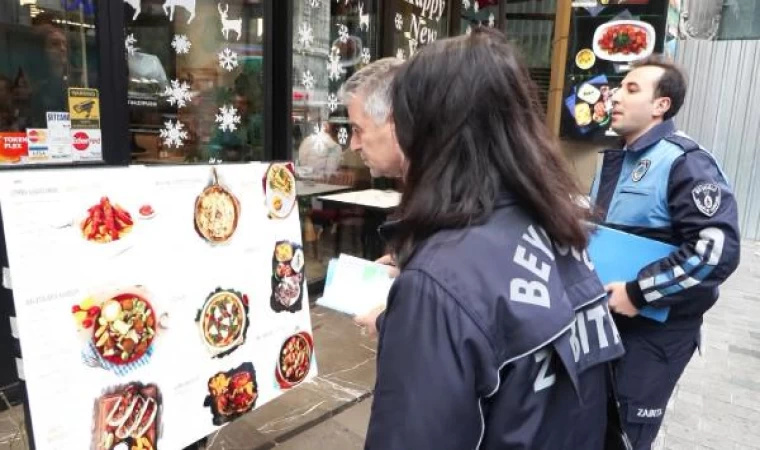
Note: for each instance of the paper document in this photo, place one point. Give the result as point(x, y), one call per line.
point(355, 286)
point(619, 256)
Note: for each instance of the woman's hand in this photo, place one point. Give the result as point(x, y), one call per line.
point(369, 320)
point(387, 260)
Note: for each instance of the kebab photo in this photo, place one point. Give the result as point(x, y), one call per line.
point(128, 418)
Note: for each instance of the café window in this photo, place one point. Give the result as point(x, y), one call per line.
point(49, 98)
point(196, 83)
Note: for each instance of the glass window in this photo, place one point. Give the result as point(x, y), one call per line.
point(478, 12)
point(331, 41)
point(48, 63)
point(195, 91)
point(740, 20)
point(416, 26)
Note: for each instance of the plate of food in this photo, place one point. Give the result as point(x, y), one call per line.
point(223, 321)
point(106, 222)
point(294, 360)
point(287, 277)
point(217, 212)
point(624, 40)
point(128, 417)
point(232, 393)
point(585, 59)
point(280, 190)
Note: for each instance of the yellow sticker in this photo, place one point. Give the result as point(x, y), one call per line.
point(84, 108)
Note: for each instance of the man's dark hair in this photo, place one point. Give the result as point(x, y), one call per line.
point(672, 83)
point(470, 124)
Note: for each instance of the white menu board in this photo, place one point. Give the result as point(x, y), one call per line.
point(155, 305)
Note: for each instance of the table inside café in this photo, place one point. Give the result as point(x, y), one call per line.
point(377, 204)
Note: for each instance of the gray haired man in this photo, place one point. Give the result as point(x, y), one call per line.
point(367, 96)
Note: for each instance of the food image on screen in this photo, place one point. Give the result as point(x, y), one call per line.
point(106, 222)
point(294, 360)
point(124, 329)
point(216, 213)
point(232, 393)
point(128, 417)
point(223, 321)
point(287, 277)
point(624, 40)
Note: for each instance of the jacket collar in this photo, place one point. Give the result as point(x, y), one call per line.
point(653, 136)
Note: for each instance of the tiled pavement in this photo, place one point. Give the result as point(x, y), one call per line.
point(716, 404)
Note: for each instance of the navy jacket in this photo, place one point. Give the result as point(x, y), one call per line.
point(480, 347)
point(666, 187)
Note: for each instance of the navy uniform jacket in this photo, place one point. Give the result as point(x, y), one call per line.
point(480, 347)
point(666, 187)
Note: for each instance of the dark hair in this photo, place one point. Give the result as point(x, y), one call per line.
point(672, 83)
point(470, 124)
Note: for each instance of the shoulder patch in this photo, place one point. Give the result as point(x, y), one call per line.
point(706, 198)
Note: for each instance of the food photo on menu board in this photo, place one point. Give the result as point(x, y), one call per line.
point(287, 277)
point(590, 104)
point(232, 393)
point(128, 417)
point(217, 212)
point(280, 190)
point(295, 360)
point(223, 321)
point(118, 329)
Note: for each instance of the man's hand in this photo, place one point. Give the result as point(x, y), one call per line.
point(369, 320)
point(619, 301)
point(388, 261)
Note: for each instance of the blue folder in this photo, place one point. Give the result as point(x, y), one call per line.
point(619, 256)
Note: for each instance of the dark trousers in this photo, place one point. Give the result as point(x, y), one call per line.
point(646, 375)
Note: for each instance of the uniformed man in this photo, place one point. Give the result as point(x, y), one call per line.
point(662, 185)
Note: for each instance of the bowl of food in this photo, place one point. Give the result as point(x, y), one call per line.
point(624, 40)
point(294, 360)
point(124, 329)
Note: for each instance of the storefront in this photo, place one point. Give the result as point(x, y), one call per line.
point(93, 83)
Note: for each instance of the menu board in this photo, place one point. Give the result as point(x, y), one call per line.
point(155, 305)
point(605, 39)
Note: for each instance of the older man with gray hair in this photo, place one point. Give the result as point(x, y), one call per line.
point(367, 96)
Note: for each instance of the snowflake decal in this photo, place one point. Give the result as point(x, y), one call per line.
point(465, 4)
point(342, 136)
point(181, 44)
point(173, 134)
point(178, 93)
point(400, 54)
point(334, 68)
point(227, 118)
point(491, 20)
point(314, 3)
point(129, 44)
point(343, 33)
point(332, 102)
point(399, 21)
point(366, 56)
point(228, 59)
point(307, 79)
point(305, 35)
point(475, 6)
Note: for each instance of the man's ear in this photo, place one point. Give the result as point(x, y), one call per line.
point(661, 106)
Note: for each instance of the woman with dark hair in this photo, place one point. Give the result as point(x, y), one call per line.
point(479, 347)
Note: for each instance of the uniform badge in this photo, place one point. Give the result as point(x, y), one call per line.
point(641, 169)
point(707, 198)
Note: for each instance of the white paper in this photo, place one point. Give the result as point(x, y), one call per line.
point(7, 278)
point(355, 286)
point(14, 327)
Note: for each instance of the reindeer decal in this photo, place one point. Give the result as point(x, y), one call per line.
point(189, 5)
point(228, 25)
point(135, 4)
